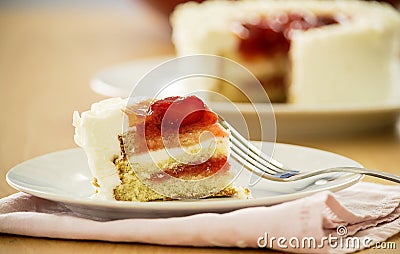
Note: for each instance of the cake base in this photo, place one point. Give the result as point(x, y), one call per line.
point(133, 189)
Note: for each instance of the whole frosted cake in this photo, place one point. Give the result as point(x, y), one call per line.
point(143, 150)
point(307, 52)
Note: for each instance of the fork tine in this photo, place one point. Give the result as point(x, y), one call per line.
point(256, 154)
point(251, 161)
point(266, 160)
point(255, 169)
point(255, 159)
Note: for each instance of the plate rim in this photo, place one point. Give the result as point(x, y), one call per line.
point(182, 205)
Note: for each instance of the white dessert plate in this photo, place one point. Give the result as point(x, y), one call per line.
point(292, 120)
point(64, 177)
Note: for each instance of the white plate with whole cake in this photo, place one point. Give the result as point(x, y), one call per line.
point(65, 177)
point(293, 120)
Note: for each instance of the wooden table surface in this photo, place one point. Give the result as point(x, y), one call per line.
point(47, 58)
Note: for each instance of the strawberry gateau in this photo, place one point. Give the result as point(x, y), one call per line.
point(142, 149)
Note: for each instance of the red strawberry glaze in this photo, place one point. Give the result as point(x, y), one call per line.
point(157, 110)
point(272, 35)
point(201, 170)
point(177, 112)
point(163, 120)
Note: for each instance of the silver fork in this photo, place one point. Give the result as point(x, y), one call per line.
point(266, 167)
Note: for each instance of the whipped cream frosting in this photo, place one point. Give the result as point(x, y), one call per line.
point(202, 151)
point(96, 131)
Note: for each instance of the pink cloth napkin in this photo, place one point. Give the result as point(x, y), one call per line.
point(364, 214)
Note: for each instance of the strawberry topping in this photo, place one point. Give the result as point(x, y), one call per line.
point(176, 112)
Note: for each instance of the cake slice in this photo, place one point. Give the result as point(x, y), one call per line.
point(306, 52)
point(140, 149)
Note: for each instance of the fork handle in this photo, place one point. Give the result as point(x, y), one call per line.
point(358, 170)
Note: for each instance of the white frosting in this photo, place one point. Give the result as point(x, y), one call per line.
point(96, 131)
point(349, 64)
point(356, 62)
point(203, 150)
